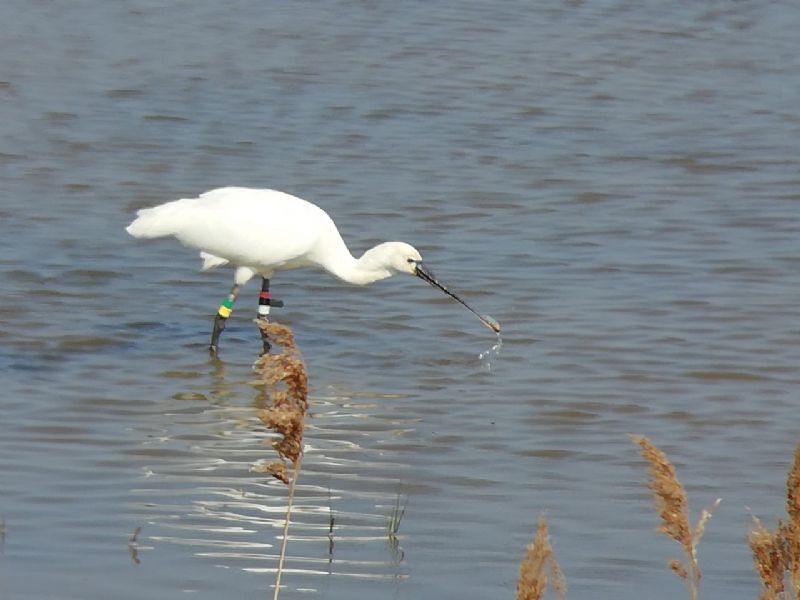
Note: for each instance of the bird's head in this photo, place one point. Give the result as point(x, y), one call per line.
point(396, 257)
point(399, 257)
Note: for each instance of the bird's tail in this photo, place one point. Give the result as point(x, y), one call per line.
point(159, 221)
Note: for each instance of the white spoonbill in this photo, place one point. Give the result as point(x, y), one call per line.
point(263, 231)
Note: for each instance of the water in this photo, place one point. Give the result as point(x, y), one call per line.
point(615, 182)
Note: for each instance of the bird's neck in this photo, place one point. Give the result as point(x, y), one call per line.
point(359, 271)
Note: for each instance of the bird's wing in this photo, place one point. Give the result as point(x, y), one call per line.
point(256, 228)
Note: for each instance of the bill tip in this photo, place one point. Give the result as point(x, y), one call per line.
point(492, 323)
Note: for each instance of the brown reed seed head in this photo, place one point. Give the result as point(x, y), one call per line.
point(790, 534)
point(280, 334)
point(793, 490)
point(769, 558)
point(669, 495)
point(284, 419)
point(558, 583)
point(790, 531)
point(538, 561)
point(277, 469)
point(533, 568)
point(286, 380)
point(677, 567)
point(289, 447)
point(289, 423)
point(288, 370)
point(285, 367)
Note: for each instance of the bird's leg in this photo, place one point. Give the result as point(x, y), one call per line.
point(224, 311)
point(264, 304)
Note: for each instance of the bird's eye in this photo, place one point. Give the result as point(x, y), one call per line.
point(410, 261)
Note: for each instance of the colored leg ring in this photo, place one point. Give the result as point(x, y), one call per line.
point(264, 300)
point(226, 308)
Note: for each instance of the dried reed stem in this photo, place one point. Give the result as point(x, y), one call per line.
point(538, 562)
point(285, 378)
point(776, 554)
point(672, 504)
point(290, 502)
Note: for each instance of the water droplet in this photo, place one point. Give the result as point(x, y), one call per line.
point(488, 356)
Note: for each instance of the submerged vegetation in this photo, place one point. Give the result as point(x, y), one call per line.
point(393, 521)
point(396, 516)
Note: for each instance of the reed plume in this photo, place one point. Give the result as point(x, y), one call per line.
point(791, 530)
point(672, 505)
point(286, 381)
point(538, 563)
point(776, 554)
point(769, 558)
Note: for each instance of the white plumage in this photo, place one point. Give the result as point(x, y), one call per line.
point(263, 231)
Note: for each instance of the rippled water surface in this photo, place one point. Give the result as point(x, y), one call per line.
point(617, 183)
